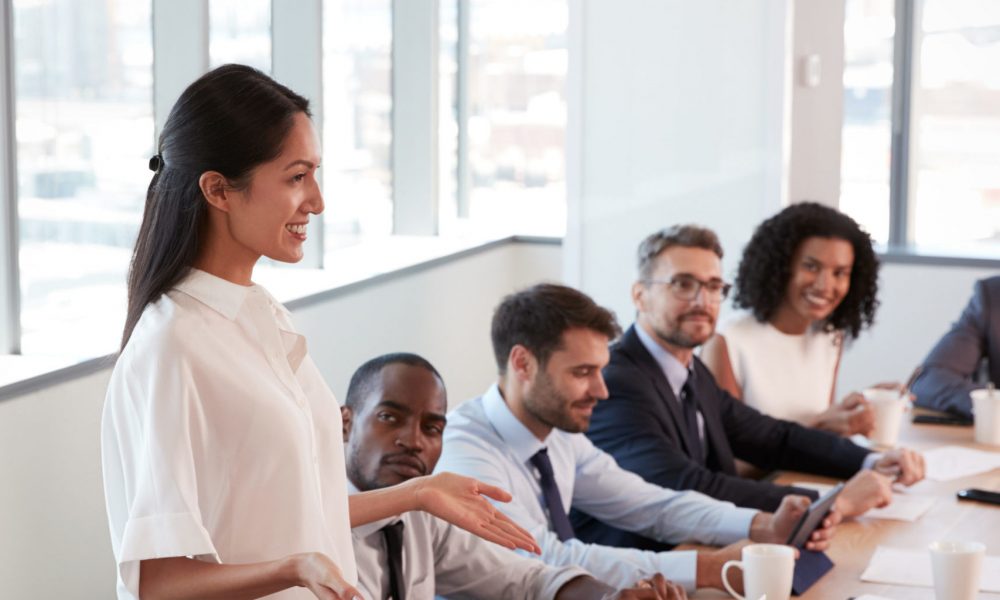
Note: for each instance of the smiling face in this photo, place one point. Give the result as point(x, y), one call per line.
point(820, 279)
point(564, 393)
point(677, 323)
point(269, 217)
point(396, 433)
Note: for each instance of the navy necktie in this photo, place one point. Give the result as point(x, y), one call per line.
point(394, 548)
point(690, 408)
point(553, 501)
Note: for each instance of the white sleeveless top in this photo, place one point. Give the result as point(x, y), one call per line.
point(782, 375)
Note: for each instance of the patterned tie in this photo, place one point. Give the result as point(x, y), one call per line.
point(394, 546)
point(691, 422)
point(553, 501)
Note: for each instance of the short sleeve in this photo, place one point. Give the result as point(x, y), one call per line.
point(152, 445)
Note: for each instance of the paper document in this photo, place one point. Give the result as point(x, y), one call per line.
point(913, 567)
point(954, 462)
point(904, 507)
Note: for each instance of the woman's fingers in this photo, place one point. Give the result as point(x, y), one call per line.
point(493, 492)
point(521, 537)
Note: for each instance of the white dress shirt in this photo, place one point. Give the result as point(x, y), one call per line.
point(440, 558)
point(220, 439)
point(486, 441)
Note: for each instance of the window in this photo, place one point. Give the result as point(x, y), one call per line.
point(513, 152)
point(954, 170)
point(867, 135)
point(933, 185)
point(240, 32)
point(357, 123)
point(84, 123)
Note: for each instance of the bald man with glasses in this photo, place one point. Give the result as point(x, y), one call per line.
point(667, 420)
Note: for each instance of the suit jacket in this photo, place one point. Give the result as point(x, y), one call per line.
point(641, 424)
point(949, 371)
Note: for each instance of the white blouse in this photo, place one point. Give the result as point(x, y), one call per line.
point(220, 439)
point(782, 375)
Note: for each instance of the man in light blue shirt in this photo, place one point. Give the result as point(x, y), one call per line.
point(524, 435)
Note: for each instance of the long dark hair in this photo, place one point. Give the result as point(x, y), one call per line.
point(766, 266)
point(230, 120)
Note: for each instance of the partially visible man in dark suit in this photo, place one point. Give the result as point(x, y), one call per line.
point(667, 420)
point(950, 371)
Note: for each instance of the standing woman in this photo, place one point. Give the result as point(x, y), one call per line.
point(222, 445)
point(808, 278)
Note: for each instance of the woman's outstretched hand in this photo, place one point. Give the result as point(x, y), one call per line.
point(462, 502)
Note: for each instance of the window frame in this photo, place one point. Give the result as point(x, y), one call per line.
point(901, 247)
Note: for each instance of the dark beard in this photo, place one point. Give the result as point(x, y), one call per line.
point(550, 407)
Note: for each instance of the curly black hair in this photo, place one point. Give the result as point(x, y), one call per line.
point(767, 259)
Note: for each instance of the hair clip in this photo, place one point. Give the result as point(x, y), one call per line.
point(155, 163)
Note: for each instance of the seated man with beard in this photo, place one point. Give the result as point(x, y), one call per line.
point(393, 423)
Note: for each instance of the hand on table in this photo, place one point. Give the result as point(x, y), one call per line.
point(863, 492)
point(656, 587)
point(851, 415)
point(902, 464)
point(777, 528)
point(462, 502)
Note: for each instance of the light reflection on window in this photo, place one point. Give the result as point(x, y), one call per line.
point(84, 126)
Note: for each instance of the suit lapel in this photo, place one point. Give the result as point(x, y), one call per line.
point(632, 345)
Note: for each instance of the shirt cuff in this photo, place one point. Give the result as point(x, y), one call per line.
point(871, 459)
point(735, 525)
point(552, 586)
point(679, 566)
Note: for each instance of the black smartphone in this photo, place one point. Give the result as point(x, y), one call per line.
point(942, 420)
point(813, 517)
point(979, 496)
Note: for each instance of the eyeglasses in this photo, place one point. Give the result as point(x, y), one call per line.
point(686, 287)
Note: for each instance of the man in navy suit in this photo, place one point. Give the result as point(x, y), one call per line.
point(952, 368)
point(667, 420)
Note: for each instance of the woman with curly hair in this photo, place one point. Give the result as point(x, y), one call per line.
point(808, 279)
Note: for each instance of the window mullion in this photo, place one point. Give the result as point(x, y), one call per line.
point(297, 62)
point(902, 57)
point(463, 185)
point(415, 50)
point(10, 295)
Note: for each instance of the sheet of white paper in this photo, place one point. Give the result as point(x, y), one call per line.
point(913, 567)
point(871, 597)
point(954, 462)
point(904, 507)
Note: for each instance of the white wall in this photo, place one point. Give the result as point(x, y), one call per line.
point(54, 540)
point(816, 113)
point(680, 113)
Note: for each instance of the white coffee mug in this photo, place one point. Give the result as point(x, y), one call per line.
point(957, 568)
point(986, 411)
point(767, 571)
point(888, 407)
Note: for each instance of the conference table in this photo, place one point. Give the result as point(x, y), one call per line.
point(948, 519)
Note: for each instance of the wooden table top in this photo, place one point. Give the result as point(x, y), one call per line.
point(949, 519)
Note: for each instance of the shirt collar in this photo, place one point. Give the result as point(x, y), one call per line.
point(367, 529)
point(224, 297)
point(675, 371)
point(518, 438)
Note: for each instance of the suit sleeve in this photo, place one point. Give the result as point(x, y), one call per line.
point(771, 443)
point(627, 427)
point(947, 376)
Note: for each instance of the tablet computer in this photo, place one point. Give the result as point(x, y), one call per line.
point(813, 517)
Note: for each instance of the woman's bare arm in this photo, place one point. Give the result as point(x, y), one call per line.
point(182, 578)
point(454, 498)
point(715, 355)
